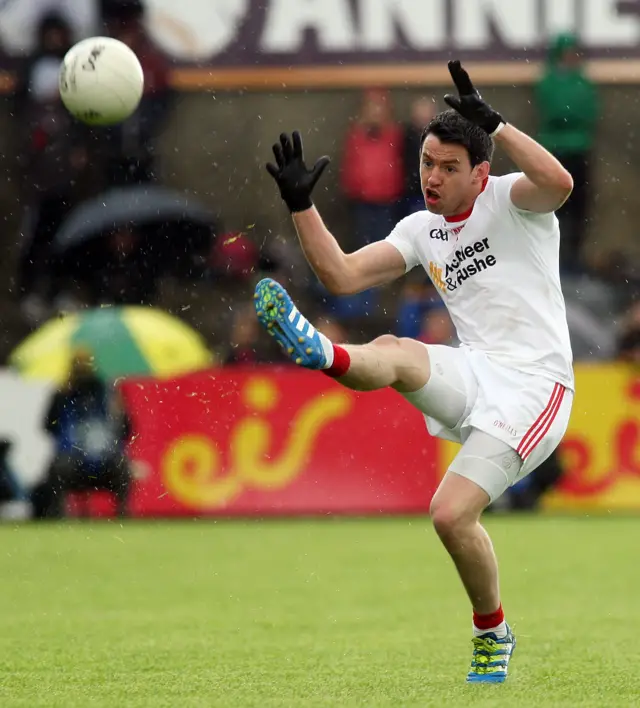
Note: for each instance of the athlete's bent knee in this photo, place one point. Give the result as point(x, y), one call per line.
point(390, 340)
point(449, 519)
point(386, 340)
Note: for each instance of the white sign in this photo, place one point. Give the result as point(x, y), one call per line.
point(252, 33)
point(203, 29)
point(22, 414)
point(19, 20)
point(196, 30)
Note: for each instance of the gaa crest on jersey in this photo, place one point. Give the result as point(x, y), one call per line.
point(464, 263)
point(435, 273)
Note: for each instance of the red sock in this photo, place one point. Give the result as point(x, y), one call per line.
point(488, 621)
point(341, 362)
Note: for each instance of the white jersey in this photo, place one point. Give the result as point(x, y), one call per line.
point(497, 271)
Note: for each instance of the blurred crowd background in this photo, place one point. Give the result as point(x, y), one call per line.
point(173, 208)
point(212, 147)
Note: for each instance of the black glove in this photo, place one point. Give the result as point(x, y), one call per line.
point(470, 105)
point(295, 181)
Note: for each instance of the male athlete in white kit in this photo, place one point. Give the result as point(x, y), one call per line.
point(490, 245)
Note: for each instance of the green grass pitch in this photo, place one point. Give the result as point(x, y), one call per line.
point(311, 613)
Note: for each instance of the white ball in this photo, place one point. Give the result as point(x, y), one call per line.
point(101, 81)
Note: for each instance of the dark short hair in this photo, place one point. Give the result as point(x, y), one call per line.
point(450, 127)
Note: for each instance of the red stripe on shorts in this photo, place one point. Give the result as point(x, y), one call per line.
point(543, 432)
point(541, 427)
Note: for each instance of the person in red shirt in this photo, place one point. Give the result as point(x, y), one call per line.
point(373, 169)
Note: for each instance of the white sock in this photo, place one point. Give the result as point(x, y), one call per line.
point(327, 348)
point(500, 630)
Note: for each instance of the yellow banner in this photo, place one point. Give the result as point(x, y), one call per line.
point(601, 450)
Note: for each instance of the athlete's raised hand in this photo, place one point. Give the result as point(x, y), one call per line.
point(470, 103)
point(294, 180)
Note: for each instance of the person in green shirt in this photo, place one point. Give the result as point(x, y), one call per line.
point(568, 110)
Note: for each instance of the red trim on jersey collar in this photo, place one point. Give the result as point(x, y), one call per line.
point(465, 214)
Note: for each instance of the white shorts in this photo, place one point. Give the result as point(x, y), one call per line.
point(468, 391)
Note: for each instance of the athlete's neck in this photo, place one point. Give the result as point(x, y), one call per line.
point(465, 213)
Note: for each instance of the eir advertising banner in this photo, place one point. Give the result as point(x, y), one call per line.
point(282, 441)
point(275, 441)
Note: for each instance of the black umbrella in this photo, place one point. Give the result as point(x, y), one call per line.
point(140, 206)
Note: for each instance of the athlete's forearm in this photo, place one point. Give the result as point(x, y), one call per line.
point(546, 183)
point(321, 250)
point(540, 166)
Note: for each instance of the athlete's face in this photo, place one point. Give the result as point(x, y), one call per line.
point(449, 183)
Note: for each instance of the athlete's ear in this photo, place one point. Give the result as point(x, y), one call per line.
point(481, 171)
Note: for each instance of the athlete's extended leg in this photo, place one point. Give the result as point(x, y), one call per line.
point(401, 363)
point(455, 513)
point(475, 478)
point(480, 473)
point(387, 361)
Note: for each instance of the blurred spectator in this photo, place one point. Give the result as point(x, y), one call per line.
point(630, 346)
point(120, 271)
point(417, 297)
point(437, 328)
point(620, 272)
point(527, 494)
point(90, 430)
point(422, 111)
point(567, 104)
point(629, 343)
point(131, 146)
point(332, 329)
point(19, 21)
point(54, 162)
point(283, 260)
point(127, 277)
point(372, 168)
point(10, 488)
point(359, 306)
point(234, 255)
point(244, 338)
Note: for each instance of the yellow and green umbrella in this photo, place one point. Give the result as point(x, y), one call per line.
point(125, 341)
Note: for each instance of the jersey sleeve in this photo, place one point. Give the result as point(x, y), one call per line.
point(402, 238)
point(502, 196)
point(502, 191)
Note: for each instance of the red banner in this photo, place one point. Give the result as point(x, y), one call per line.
point(275, 441)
